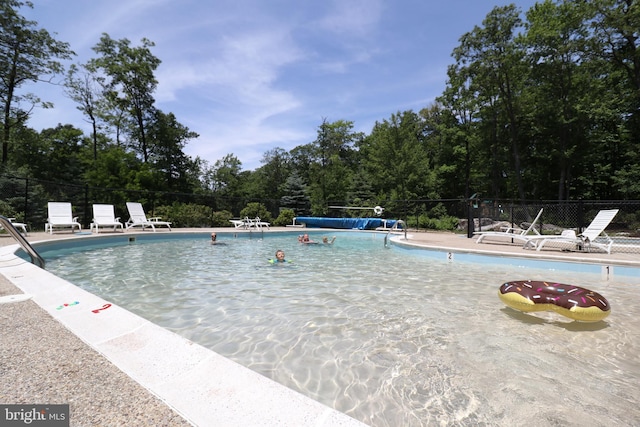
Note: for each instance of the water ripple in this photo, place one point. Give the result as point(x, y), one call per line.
point(386, 337)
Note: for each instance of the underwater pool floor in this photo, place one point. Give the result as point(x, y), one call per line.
point(143, 351)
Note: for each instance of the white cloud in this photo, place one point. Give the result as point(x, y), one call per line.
point(352, 17)
point(249, 75)
point(237, 85)
point(234, 89)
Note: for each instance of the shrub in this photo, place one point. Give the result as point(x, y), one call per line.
point(255, 209)
point(285, 217)
point(185, 215)
point(221, 218)
point(446, 222)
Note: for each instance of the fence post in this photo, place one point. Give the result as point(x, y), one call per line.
point(470, 225)
point(26, 200)
point(511, 217)
point(86, 206)
point(473, 203)
point(580, 215)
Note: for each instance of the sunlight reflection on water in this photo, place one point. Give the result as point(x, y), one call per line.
point(383, 335)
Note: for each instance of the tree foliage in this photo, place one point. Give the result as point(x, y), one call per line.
point(537, 105)
point(28, 54)
point(128, 81)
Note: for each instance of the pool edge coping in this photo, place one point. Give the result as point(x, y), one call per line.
point(197, 383)
point(139, 333)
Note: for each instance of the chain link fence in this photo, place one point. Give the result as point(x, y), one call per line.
point(26, 200)
point(557, 217)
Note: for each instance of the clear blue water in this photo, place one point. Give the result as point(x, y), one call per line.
point(387, 336)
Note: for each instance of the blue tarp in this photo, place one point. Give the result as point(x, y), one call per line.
point(350, 223)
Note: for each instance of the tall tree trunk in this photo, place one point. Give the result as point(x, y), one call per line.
point(6, 126)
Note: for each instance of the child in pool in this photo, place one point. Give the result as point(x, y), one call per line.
point(326, 241)
point(214, 240)
point(279, 257)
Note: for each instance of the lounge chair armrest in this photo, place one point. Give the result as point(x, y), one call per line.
point(155, 218)
point(511, 229)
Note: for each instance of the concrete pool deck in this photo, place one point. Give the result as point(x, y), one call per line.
point(111, 366)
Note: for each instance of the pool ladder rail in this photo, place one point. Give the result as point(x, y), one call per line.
point(395, 228)
point(13, 231)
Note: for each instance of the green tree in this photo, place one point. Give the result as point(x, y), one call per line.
point(396, 158)
point(129, 83)
point(225, 179)
point(559, 86)
point(301, 159)
point(28, 54)
point(361, 191)
point(268, 180)
point(83, 87)
point(62, 148)
point(225, 174)
point(332, 163)
point(453, 132)
point(295, 195)
point(30, 155)
point(115, 168)
point(167, 139)
point(491, 58)
point(615, 39)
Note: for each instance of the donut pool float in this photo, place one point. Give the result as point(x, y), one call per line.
point(571, 301)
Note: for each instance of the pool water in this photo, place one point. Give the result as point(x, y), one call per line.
point(386, 336)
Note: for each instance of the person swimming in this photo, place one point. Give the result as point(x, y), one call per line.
point(280, 259)
point(326, 241)
point(304, 238)
point(214, 240)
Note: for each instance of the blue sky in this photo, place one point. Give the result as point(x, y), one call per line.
point(252, 75)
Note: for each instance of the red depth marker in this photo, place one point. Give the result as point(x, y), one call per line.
point(104, 307)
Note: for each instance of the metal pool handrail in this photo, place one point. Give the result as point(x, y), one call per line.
point(395, 227)
point(35, 257)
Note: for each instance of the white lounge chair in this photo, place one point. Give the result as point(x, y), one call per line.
point(61, 216)
point(20, 226)
point(104, 216)
point(586, 240)
point(247, 223)
point(241, 223)
point(137, 218)
point(258, 223)
point(511, 232)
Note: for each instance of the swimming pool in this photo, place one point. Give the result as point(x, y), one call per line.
point(385, 335)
